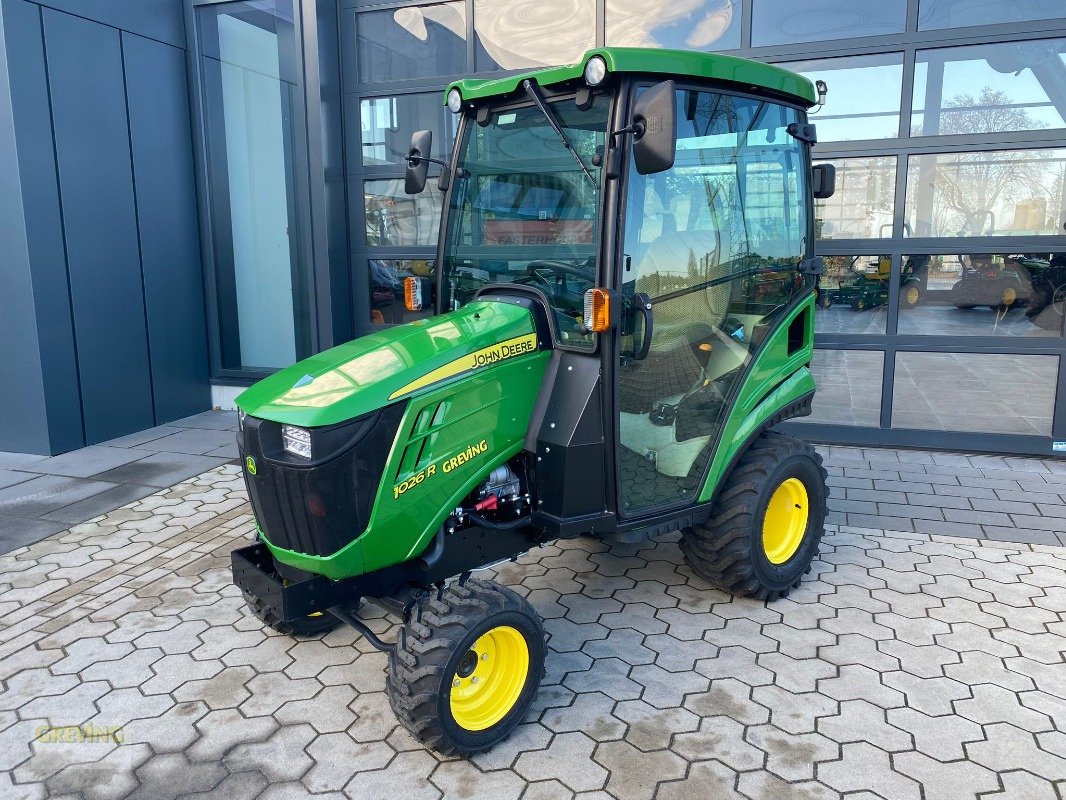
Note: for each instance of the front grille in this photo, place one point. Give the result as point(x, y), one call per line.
point(319, 506)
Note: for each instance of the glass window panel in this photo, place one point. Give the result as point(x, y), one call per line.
point(777, 22)
point(981, 392)
point(983, 294)
point(527, 210)
point(514, 34)
point(853, 294)
point(934, 14)
point(990, 88)
point(849, 387)
point(863, 99)
point(997, 193)
point(691, 25)
point(252, 101)
point(386, 125)
point(712, 242)
point(861, 207)
point(397, 219)
point(386, 288)
point(411, 42)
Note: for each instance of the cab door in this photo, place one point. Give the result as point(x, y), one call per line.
point(709, 250)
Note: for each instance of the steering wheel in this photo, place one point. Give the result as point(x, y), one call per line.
point(568, 303)
point(560, 269)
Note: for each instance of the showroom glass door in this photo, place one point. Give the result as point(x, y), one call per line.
point(252, 112)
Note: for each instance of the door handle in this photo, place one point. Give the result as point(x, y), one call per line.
point(643, 302)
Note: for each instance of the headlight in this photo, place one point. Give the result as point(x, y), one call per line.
point(296, 441)
point(595, 71)
point(240, 420)
point(455, 101)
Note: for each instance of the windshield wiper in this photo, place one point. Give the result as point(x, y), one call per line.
point(538, 101)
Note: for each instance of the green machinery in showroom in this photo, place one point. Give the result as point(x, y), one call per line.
point(869, 287)
point(623, 308)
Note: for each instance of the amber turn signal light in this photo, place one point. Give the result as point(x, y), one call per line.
point(412, 294)
point(597, 317)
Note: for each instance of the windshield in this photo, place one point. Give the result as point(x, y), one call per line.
point(525, 212)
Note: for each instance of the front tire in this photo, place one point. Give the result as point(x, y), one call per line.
point(312, 625)
point(466, 667)
point(766, 522)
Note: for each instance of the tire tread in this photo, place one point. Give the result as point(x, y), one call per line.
point(718, 549)
point(424, 646)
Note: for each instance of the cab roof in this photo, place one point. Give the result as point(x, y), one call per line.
point(743, 73)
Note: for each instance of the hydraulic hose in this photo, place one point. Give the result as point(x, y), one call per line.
point(482, 522)
point(360, 626)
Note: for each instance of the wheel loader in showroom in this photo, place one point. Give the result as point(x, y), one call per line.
point(622, 309)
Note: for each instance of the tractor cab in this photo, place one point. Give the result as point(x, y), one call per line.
point(681, 208)
point(622, 310)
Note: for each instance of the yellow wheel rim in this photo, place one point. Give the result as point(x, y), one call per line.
point(912, 295)
point(489, 679)
point(785, 522)
point(1010, 294)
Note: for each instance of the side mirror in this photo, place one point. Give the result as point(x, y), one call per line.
point(655, 129)
point(823, 181)
point(414, 179)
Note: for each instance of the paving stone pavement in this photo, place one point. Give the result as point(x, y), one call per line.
point(905, 666)
point(40, 496)
point(978, 496)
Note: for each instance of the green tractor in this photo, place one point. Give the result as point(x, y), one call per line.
point(869, 288)
point(993, 281)
point(623, 308)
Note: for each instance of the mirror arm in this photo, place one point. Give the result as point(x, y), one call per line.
point(637, 129)
point(445, 172)
point(805, 133)
point(414, 161)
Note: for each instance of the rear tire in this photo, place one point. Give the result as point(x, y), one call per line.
point(1048, 301)
point(1009, 296)
point(961, 296)
point(742, 552)
point(313, 625)
point(476, 630)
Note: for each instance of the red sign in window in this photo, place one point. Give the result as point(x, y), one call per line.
point(538, 231)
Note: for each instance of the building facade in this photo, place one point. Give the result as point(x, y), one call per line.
point(195, 193)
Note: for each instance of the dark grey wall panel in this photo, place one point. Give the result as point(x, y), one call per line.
point(156, 19)
point(24, 424)
point(43, 230)
point(157, 100)
point(96, 186)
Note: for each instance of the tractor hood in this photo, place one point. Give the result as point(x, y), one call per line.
point(373, 371)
